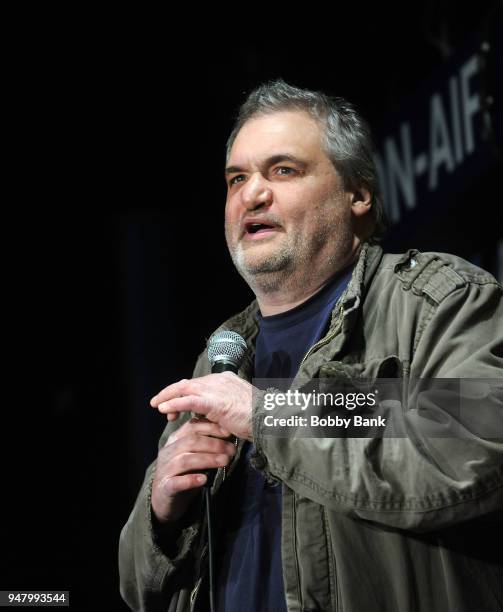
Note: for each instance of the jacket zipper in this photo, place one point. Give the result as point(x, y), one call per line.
point(328, 338)
point(334, 586)
point(195, 590)
point(297, 564)
point(225, 467)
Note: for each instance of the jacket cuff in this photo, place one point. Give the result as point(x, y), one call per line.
point(258, 458)
point(174, 541)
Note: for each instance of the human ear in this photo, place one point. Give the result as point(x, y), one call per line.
point(361, 201)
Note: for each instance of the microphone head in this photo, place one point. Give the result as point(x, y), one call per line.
point(226, 347)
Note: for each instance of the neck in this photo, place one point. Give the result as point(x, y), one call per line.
point(287, 292)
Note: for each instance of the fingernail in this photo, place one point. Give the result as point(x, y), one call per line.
point(201, 479)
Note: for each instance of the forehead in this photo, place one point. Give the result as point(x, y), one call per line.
point(288, 132)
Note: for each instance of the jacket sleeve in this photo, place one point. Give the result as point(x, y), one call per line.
point(449, 466)
point(157, 568)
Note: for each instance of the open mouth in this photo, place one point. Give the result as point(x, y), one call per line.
point(259, 228)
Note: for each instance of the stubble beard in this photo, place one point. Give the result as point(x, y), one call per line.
point(266, 273)
point(289, 265)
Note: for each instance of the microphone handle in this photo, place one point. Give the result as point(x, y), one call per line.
point(218, 367)
point(223, 366)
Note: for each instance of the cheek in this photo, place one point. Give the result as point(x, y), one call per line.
point(231, 220)
point(230, 211)
point(304, 205)
point(318, 212)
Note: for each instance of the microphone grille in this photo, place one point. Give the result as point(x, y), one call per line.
point(226, 346)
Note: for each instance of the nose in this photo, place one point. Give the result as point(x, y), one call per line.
point(256, 192)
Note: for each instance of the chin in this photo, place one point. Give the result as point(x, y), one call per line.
point(256, 267)
point(251, 263)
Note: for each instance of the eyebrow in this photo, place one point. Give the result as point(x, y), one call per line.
point(270, 161)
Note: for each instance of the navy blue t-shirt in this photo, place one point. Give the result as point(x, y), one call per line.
point(250, 571)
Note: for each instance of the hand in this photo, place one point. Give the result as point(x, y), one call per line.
point(223, 398)
point(187, 453)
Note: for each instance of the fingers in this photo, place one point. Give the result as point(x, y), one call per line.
point(185, 387)
point(177, 484)
point(195, 463)
point(198, 426)
point(172, 495)
point(196, 446)
point(187, 403)
point(194, 443)
point(177, 389)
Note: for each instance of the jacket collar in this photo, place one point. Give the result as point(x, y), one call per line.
point(366, 266)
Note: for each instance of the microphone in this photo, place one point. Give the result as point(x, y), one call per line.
point(226, 350)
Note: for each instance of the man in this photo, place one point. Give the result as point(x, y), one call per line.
point(343, 523)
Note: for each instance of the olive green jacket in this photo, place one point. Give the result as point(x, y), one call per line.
point(391, 524)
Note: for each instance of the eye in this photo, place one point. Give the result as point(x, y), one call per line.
point(236, 179)
point(284, 170)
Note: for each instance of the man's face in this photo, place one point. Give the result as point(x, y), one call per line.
point(286, 211)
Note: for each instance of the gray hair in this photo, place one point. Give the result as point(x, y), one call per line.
point(348, 140)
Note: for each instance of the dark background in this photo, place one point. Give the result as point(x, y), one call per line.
point(116, 263)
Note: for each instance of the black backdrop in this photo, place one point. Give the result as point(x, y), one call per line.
point(116, 265)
